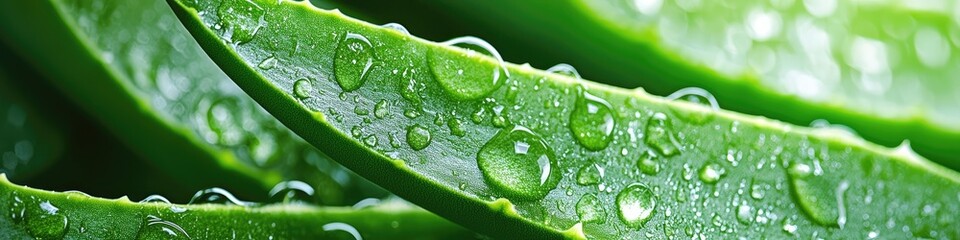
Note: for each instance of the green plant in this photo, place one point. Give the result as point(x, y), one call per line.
point(505, 150)
point(884, 68)
point(547, 155)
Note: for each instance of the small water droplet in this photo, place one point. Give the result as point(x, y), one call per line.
point(410, 91)
point(756, 190)
point(370, 141)
point(591, 210)
point(711, 173)
point(339, 226)
point(290, 191)
point(648, 163)
point(659, 135)
point(459, 72)
point(396, 27)
point(636, 205)
point(519, 163)
point(353, 60)
point(789, 226)
point(381, 110)
point(590, 174)
point(268, 63)
point(592, 122)
point(302, 88)
point(418, 137)
point(456, 127)
point(564, 69)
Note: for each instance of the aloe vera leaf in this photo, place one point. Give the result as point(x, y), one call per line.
point(132, 66)
point(31, 136)
point(864, 66)
point(669, 168)
point(37, 214)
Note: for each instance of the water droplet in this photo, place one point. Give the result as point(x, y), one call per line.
point(824, 124)
point(756, 190)
point(519, 163)
point(240, 20)
point(361, 111)
point(290, 191)
point(157, 228)
point(636, 205)
point(592, 122)
point(160, 199)
point(381, 110)
point(370, 141)
point(648, 163)
point(745, 214)
point(659, 136)
point(788, 226)
point(694, 95)
point(224, 124)
point(591, 174)
point(339, 226)
point(817, 197)
point(591, 210)
point(353, 60)
point(268, 63)
point(41, 218)
point(459, 73)
point(367, 202)
point(216, 195)
point(711, 173)
point(410, 91)
point(564, 69)
point(396, 27)
point(302, 88)
point(456, 127)
point(418, 137)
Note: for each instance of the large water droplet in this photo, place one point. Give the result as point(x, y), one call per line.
point(418, 137)
point(592, 122)
point(157, 228)
point(591, 210)
point(694, 95)
point(396, 27)
point(339, 226)
point(745, 214)
point(354, 58)
point(819, 198)
point(564, 69)
point(459, 72)
point(636, 205)
point(290, 191)
point(160, 199)
point(42, 219)
point(519, 163)
point(659, 135)
point(591, 174)
point(240, 20)
point(216, 195)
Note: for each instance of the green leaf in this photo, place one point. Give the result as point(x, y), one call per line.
point(35, 214)
point(886, 69)
point(511, 164)
point(131, 66)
